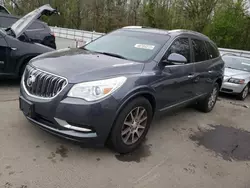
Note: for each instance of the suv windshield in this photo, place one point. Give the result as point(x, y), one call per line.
point(238, 63)
point(136, 46)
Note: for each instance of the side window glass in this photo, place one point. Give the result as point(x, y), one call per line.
point(180, 46)
point(36, 25)
point(212, 50)
point(199, 50)
point(3, 10)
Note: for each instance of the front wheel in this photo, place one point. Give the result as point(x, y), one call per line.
point(207, 104)
point(243, 95)
point(131, 125)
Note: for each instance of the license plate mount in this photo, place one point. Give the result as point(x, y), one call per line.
point(26, 107)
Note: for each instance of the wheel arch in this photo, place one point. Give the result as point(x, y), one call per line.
point(140, 92)
point(219, 81)
point(23, 61)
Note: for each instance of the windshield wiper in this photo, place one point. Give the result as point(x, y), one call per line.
point(112, 54)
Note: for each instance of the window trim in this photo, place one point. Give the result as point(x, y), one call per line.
point(176, 38)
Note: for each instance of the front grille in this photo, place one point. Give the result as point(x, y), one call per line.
point(42, 84)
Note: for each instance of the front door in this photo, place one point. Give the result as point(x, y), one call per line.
point(3, 53)
point(177, 80)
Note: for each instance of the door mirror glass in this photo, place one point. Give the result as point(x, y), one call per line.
point(175, 59)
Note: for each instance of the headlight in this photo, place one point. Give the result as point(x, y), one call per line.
point(236, 81)
point(95, 90)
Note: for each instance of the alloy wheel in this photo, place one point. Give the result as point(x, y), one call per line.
point(134, 125)
point(213, 98)
point(245, 92)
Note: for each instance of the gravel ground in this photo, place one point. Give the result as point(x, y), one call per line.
point(183, 149)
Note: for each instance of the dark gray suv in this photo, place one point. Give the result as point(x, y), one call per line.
point(109, 90)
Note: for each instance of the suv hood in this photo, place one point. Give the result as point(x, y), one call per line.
point(78, 65)
point(20, 26)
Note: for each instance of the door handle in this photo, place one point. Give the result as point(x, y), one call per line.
point(210, 71)
point(191, 75)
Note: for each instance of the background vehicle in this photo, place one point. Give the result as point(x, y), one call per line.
point(4, 10)
point(109, 93)
point(16, 49)
point(237, 76)
point(38, 31)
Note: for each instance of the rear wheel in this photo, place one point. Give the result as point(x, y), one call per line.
point(131, 125)
point(243, 95)
point(207, 104)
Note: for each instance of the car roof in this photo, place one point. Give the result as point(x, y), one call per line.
point(174, 32)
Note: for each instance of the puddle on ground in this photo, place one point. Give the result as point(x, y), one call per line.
point(228, 142)
point(136, 156)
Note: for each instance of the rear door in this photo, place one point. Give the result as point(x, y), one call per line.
point(202, 63)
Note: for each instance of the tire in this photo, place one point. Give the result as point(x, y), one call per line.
point(243, 95)
point(116, 140)
point(23, 66)
point(207, 104)
point(22, 70)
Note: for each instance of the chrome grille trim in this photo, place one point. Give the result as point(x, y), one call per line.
point(45, 86)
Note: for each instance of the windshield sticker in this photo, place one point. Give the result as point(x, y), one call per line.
point(124, 64)
point(145, 46)
point(245, 64)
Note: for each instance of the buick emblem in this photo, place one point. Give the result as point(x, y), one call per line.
point(31, 80)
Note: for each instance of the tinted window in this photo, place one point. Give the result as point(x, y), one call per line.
point(199, 50)
point(36, 25)
point(6, 22)
point(3, 10)
point(212, 50)
point(238, 63)
point(136, 46)
point(180, 46)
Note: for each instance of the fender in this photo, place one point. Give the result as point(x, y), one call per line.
point(22, 60)
point(139, 91)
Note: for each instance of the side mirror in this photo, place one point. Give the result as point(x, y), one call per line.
point(175, 59)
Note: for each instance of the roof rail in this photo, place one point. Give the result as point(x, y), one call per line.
point(134, 27)
point(189, 31)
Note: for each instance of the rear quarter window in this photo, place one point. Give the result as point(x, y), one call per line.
point(213, 52)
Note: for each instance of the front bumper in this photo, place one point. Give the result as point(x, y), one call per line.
point(228, 87)
point(72, 118)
